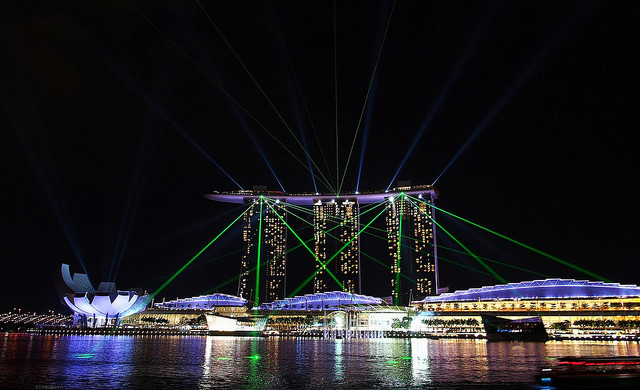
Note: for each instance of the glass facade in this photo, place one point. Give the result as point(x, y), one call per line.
point(411, 238)
point(264, 234)
point(335, 226)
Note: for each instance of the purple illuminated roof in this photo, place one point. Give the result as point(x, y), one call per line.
point(321, 301)
point(204, 302)
point(549, 288)
point(246, 196)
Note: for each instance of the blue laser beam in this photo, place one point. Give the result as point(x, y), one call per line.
point(297, 83)
point(95, 48)
point(134, 195)
point(245, 125)
point(365, 133)
point(562, 30)
point(453, 76)
point(56, 203)
point(302, 136)
point(366, 99)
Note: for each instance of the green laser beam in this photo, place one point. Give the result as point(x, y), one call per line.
point(538, 251)
point(257, 298)
point(197, 255)
point(227, 93)
point(309, 279)
point(366, 99)
point(304, 102)
point(259, 87)
point(464, 253)
point(307, 247)
point(497, 262)
point(402, 275)
point(235, 278)
point(482, 263)
point(208, 261)
point(439, 257)
point(327, 232)
point(464, 266)
point(371, 207)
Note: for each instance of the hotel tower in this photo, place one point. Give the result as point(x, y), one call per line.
point(411, 239)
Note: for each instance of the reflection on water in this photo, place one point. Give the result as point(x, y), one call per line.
point(106, 362)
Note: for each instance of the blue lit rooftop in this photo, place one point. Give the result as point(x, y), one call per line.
point(203, 302)
point(321, 301)
point(548, 288)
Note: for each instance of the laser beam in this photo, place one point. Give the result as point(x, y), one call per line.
point(482, 263)
point(227, 94)
point(310, 278)
point(257, 146)
point(257, 298)
point(323, 265)
point(262, 92)
point(564, 25)
point(538, 251)
point(364, 105)
point(304, 103)
point(175, 275)
point(444, 92)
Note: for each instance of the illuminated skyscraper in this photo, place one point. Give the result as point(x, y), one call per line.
point(335, 225)
point(264, 247)
point(411, 237)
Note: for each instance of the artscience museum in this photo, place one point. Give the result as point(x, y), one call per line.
point(97, 307)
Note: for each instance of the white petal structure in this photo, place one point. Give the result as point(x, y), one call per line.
point(101, 305)
point(105, 302)
point(123, 301)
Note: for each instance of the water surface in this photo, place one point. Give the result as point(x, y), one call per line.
point(196, 362)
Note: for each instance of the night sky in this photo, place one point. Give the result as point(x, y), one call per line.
point(118, 117)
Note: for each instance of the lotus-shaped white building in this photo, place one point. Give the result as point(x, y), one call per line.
point(101, 306)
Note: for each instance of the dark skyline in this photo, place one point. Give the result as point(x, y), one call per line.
point(118, 117)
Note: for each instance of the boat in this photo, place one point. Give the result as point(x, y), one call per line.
point(220, 325)
point(592, 372)
point(523, 329)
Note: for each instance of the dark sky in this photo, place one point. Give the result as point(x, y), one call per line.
point(118, 117)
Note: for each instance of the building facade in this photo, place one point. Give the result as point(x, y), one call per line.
point(336, 224)
point(411, 237)
point(337, 247)
point(264, 247)
point(573, 306)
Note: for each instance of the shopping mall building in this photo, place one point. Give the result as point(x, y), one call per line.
point(582, 303)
